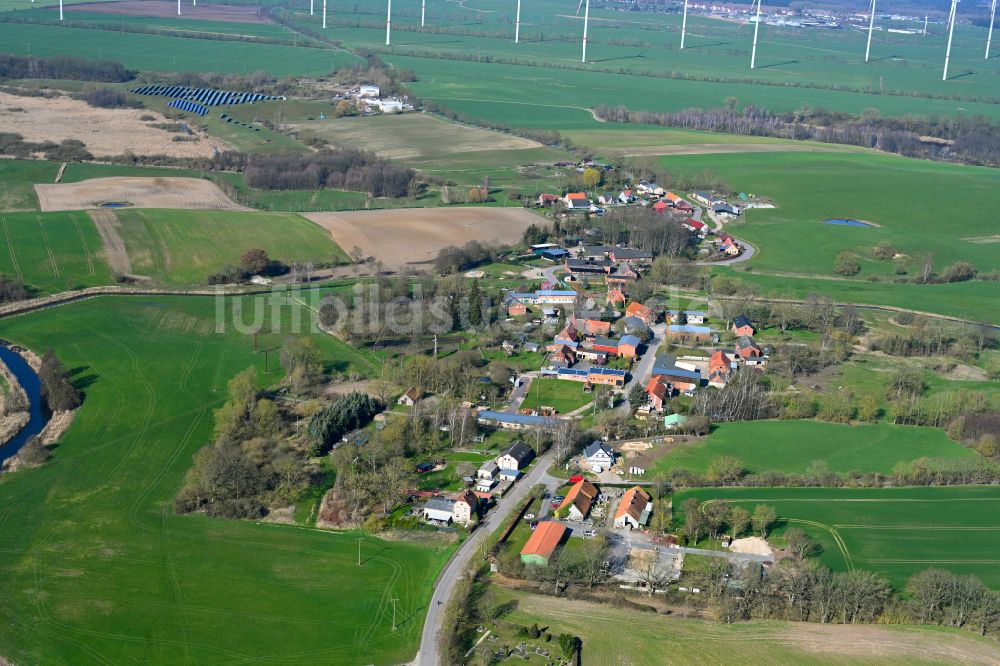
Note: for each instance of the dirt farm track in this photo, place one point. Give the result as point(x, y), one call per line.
point(165, 8)
point(412, 237)
point(168, 192)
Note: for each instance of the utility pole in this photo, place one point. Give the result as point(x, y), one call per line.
point(951, 31)
point(871, 28)
point(394, 601)
point(684, 23)
point(756, 29)
point(435, 345)
point(517, 24)
point(989, 36)
point(388, 24)
point(360, 539)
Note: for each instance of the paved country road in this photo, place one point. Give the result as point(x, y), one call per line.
point(459, 563)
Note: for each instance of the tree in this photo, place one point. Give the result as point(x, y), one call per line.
point(905, 382)
point(58, 390)
point(739, 520)
point(637, 396)
point(254, 261)
point(694, 520)
point(591, 178)
point(762, 519)
point(846, 264)
point(884, 251)
point(960, 271)
point(868, 409)
point(800, 544)
point(475, 304)
point(725, 470)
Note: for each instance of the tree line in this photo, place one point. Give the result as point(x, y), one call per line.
point(337, 168)
point(62, 67)
point(969, 140)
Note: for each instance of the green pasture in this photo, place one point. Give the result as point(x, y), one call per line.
point(894, 531)
point(655, 638)
point(562, 395)
point(155, 53)
point(52, 252)
point(186, 246)
point(793, 447)
point(98, 569)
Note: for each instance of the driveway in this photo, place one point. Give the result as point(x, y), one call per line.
point(746, 255)
point(460, 561)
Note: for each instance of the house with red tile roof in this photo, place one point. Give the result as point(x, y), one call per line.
point(578, 500)
point(636, 309)
point(658, 391)
point(543, 542)
point(660, 207)
point(633, 509)
point(616, 296)
point(594, 327)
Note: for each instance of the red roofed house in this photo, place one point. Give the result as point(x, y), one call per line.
point(696, 226)
point(517, 309)
point(658, 391)
point(595, 327)
point(578, 500)
point(639, 310)
point(616, 296)
point(466, 506)
point(633, 510)
point(568, 334)
point(563, 356)
point(748, 350)
point(547, 199)
point(660, 206)
point(743, 326)
point(720, 368)
point(543, 542)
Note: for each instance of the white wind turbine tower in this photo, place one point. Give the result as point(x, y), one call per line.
point(951, 31)
point(324, 14)
point(756, 29)
point(61, 11)
point(312, 4)
point(684, 23)
point(871, 28)
point(989, 37)
point(178, 6)
point(388, 24)
point(586, 21)
point(517, 24)
point(423, 12)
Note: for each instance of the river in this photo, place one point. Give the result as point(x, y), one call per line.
point(38, 416)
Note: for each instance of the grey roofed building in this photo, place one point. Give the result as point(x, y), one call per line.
point(595, 446)
point(520, 452)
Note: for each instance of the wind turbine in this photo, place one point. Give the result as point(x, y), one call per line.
point(871, 28)
point(684, 23)
point(925, 24)
point(756, 29)
point(61, 11)
point(586, 20)
point(178, 6)
point(989, 37)
point(423, 11)
point(388, 24)
point(951, 31)
point(324, 14)
point(517, 24)
point(312, 11)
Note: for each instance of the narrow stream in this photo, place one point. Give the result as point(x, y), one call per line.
point(33, 388)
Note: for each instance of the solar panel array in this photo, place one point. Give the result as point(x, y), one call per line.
point(193, 107)
point(206, 96)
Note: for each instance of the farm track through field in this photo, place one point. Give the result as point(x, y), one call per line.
point(10, 248)
point(87, 257)
point(48, 247)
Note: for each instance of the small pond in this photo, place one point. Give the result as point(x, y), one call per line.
point(848, 223)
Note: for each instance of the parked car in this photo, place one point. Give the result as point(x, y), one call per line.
point(529, 516)
point(589, 533)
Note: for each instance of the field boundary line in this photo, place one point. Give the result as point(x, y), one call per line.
point(10, 248)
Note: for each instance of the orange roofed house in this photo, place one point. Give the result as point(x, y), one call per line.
point(578, 500)
point(543, 542)
point(639, 310)
point(633, 510)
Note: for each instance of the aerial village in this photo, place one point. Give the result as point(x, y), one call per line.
point(625, 355)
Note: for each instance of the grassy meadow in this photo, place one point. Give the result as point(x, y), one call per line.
point(653, 638)
point(52, 252)
point(98, 569)
point(562, 395)
point(794, 446)
point(893, 531)
point(177, 246)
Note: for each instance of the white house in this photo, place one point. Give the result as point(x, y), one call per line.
point(466, 506)
point(600, 456)
point(516, 457)
point(633, 509)
point(488, 471)
point(368, 91)
point(440, 509)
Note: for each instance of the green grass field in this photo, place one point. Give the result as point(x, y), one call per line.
point(894, 531)
point(562, 395)
point(793, 446)
point(186, 246)
point(97, 568)
point(52, 252)
point(904, 197)
point(628, 637)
